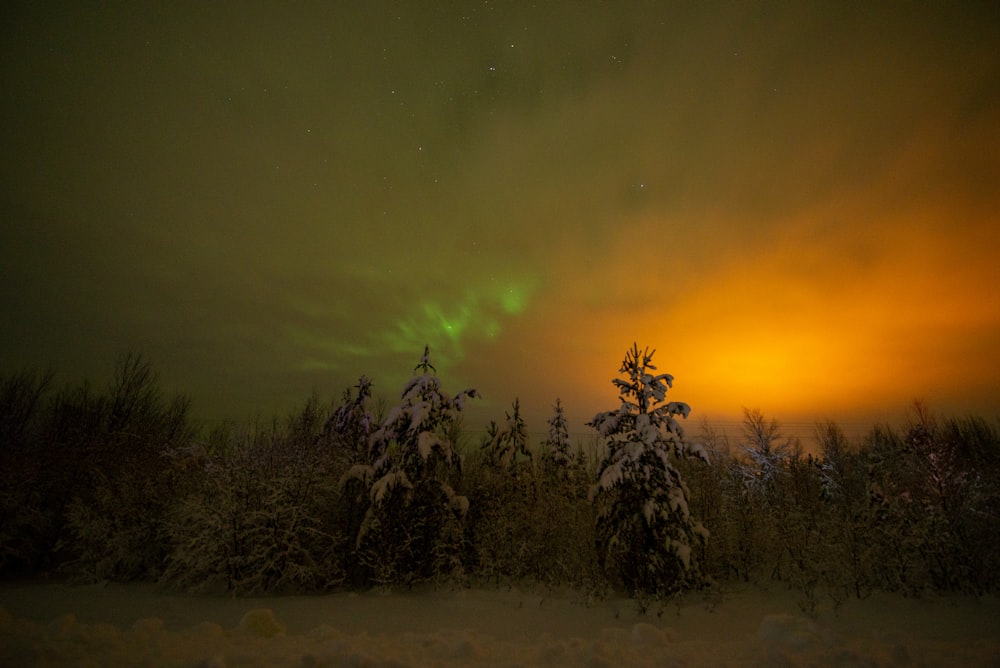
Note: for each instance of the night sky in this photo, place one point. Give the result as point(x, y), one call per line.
point(795, 203)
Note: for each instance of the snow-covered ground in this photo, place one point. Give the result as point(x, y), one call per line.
point(45, 624)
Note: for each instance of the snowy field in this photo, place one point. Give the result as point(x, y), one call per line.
point(64, 625)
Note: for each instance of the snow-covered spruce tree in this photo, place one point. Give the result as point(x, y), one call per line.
point(345, 438)
point(348, 428)
point(412, 530)
point(645, 532)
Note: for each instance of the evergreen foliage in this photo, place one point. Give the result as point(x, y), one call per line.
point(345, 437)
point(412, 529)
point(507, 447)
point(645, 530)
point(116, 484)
point(512, 535)
point(556, 459)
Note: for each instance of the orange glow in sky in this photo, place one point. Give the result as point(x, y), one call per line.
point(807, 327)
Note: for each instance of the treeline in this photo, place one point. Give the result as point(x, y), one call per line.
point(117, 484)
point(909, 509)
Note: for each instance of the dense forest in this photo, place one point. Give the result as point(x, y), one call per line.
point(118, 484)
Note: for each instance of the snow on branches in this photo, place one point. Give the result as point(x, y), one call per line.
point(644, 523)
point(643, 426)
point(413, 435)
point(412, 508)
